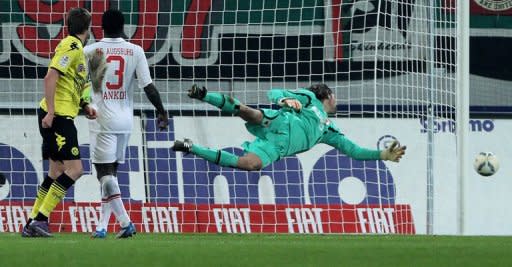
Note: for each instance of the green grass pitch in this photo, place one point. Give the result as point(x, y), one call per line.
point(255, 250)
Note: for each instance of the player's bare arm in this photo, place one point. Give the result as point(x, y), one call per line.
point(154, 97)
point(50, 86)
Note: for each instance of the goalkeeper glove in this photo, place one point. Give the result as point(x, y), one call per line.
point(394, 152)
point(97, 69)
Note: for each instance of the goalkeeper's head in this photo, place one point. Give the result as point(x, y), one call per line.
point(112, 23)
point(325, 95)
point(78, 21)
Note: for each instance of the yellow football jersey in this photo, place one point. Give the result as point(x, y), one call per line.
point(69, 60)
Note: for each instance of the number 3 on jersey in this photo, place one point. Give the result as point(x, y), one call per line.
point(118, 72)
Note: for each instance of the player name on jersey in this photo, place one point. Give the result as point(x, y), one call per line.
point(210, 218)
point(120, 51)
point(114, 95)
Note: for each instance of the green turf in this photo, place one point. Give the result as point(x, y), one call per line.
point(256, 250)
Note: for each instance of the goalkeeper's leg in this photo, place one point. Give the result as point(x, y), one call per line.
point(260, 154)
point(226, 103)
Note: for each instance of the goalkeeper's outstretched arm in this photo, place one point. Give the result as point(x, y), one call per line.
point(336, 139)
point(154, 97)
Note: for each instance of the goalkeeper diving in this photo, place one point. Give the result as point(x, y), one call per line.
point(300, 123)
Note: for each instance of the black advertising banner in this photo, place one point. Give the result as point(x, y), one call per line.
point(273, 40)
point(230, 39)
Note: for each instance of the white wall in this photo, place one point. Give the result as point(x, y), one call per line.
point(487, 209)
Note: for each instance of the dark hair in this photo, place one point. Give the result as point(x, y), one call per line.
point(78, 20)
point(112, 22)
point(321, 91)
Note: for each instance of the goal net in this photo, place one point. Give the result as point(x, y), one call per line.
point(391, 64)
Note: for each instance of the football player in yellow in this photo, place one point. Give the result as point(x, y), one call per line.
point(64, 85)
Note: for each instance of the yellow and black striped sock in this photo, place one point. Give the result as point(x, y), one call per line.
point(54, 196)
point(42, 190)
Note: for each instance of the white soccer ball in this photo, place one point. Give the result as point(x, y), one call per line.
point(486, 163)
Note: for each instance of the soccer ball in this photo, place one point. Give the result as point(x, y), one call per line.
point(486, 163)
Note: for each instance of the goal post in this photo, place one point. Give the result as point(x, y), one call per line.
point(396, 67)
point(462, 109)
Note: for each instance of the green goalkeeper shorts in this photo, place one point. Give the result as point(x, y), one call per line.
point(272, 137)
point(264, 149)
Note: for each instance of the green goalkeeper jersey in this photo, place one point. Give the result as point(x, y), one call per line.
point(295, 132)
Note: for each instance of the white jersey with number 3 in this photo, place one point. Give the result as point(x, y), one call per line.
point(114, 104)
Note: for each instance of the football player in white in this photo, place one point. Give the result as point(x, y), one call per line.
point(113, 101)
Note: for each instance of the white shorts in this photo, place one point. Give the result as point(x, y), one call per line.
point(108, 147)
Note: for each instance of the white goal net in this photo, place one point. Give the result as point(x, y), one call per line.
point(391, 64)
